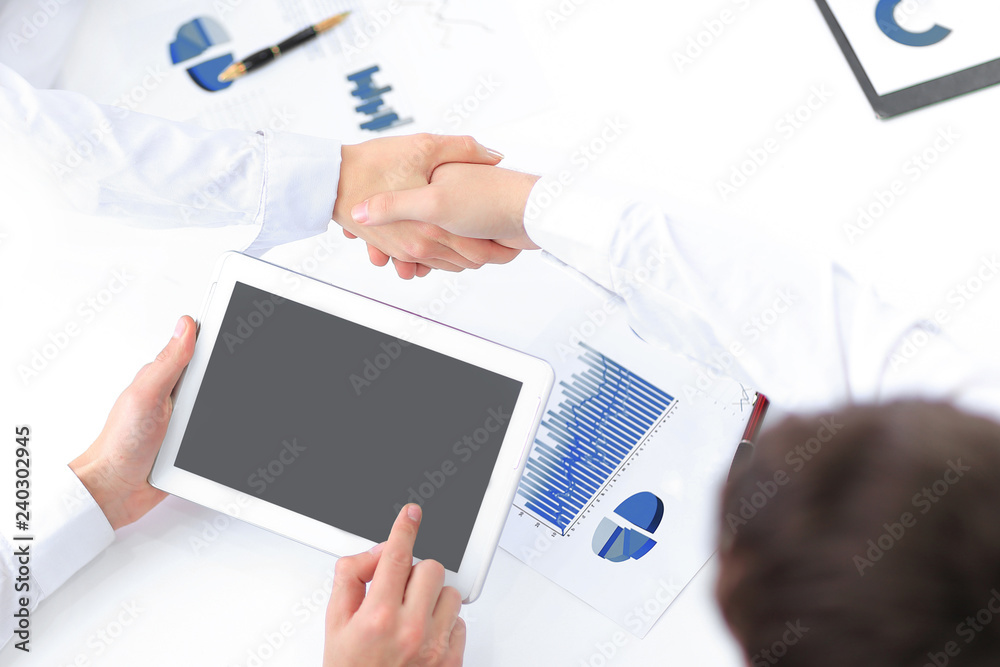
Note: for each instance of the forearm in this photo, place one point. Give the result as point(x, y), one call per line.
point(151, 171)
point(796, 327)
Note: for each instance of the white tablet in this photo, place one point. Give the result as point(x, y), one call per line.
point(317, 414)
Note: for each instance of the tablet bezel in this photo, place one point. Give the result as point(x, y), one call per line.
point(919, 95)
point(535, 375)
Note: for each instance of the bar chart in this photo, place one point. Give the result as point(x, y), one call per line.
point(380, 116)
point(604, 413)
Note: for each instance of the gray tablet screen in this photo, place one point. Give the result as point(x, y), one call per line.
point(346, 424)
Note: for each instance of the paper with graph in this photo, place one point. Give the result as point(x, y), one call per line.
point(393, 67)
point(618, 501)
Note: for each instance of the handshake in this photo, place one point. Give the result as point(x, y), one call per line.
point(432, 202)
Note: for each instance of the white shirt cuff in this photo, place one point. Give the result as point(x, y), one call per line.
point(574, 220)
point(70, 530)
point(301, 175)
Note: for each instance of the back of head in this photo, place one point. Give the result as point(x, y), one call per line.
point(867, 538)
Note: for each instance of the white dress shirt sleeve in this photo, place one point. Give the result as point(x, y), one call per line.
point(792, 324)
point(151, 171)
point(69, 530)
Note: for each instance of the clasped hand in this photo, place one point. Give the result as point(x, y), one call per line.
point(397, 165)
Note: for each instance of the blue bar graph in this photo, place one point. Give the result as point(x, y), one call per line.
point(605, 412)
point(381, 117)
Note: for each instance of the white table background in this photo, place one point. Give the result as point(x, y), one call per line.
point(686, 130)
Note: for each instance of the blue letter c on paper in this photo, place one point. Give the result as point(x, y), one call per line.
point(884, 16)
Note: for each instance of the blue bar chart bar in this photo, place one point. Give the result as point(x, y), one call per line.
point(373, 104)
point(604, 413)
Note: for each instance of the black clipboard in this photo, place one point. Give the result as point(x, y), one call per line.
point(914, 97)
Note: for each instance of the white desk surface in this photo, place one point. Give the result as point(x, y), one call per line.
point(686, 130)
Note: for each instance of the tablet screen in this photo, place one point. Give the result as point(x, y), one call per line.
point(346, 424)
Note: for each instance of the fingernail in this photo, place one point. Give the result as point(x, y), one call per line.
point(494, 154)
point(179, 329)
point(413, 511)
point(360, 212)
point(377, 549)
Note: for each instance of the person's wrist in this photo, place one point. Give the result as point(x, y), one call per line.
point(342, 205)
point(520, 195)
point(94, 476)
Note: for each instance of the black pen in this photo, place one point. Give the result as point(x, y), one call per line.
point(236, 70)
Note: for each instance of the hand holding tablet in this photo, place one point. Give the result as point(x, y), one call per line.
point(410, 617)
point(324, 412)
point(115, 466)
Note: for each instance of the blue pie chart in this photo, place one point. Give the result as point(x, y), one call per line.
point(617, 543)
point(193, 39)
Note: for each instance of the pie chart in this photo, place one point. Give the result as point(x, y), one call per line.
point(616, 543)
point(193, 39)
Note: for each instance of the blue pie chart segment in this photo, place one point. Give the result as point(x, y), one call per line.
point(643, 510)
point(206, 74)
point(609, 541)
point(195, 37)
point(617, 543)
